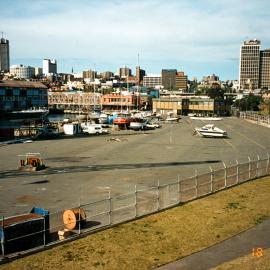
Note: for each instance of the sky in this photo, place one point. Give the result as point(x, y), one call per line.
point(199, 37)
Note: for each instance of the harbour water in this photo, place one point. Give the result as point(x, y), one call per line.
point(61, 117)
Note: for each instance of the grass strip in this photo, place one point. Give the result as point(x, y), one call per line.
point(163, 237)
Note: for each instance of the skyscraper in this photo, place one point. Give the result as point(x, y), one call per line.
point(249, 64)
point(264, 81)
point(169, 78)
point(49, 66)
point(124, 72)
point(4, 55)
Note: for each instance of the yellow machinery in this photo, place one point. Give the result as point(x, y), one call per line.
point(31, 162)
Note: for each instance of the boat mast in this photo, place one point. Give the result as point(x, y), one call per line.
point(138, 84)
point(94, 87)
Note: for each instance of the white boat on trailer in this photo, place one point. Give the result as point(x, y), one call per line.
point(211, 131)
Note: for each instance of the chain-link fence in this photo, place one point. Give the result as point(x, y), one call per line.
point(40, 228)
point(263, 120)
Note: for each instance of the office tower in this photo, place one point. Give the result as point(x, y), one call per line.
point(124, 72)
point(4, 55)
point(181, 80)
point(152, 81)
point(89, 74)
point(265, 69)
point(249, 64)
point(169, 78)
point(107, 75)
point(49, 66)
point(140, 73)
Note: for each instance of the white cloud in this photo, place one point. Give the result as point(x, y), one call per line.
point(202, 31)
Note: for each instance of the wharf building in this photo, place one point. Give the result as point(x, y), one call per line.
point(49, 66)
point(195, 105)
point(121, 101)
point(17, 100)
point(74, 101)
point(22, 72)
point(4, 55)
point(22, 95)
point(254, 68)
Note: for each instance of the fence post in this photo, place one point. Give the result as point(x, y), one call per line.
point(178, 188)
point(225, 174)
point(257, 166)
point(80, 215)
point(196, 183)
point(237, 172)
point(249, 168)
point(158, 202)
point(267, 166)
point(110, 207)
point(3, 238)
point(211, 179)
point(135, 194)
point(44, 230)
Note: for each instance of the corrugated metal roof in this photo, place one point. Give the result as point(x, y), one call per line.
point(23, 84)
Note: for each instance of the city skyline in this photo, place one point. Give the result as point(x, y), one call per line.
point(200, 38)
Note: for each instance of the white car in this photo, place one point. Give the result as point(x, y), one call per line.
point(153, 125)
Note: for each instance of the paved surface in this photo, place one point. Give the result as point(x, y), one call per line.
point(82, 169)
point(237, 246)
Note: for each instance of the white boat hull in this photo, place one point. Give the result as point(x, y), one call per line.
point(211, 131)
point(206, 118)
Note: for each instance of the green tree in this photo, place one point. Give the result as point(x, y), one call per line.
point(249, 103)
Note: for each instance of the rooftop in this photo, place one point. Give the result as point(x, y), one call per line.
point(22, 84)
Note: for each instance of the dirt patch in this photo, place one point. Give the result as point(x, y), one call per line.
point(27, 199)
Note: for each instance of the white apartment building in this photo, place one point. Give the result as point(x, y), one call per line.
point(49, 66)
point(22, 72)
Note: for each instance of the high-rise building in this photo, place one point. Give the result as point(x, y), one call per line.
point(49, 66)
point(124, 72)
point(169, 78)
point(249, 64)
point(22, 72)
point(140, 73)
point(4, 55)
point(107, 75)
point(152, 81)
point(89, 74)
point(181, 80)
point(264, 81)
point(38, 71)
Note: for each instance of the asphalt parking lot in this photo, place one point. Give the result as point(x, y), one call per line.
point(86, 168)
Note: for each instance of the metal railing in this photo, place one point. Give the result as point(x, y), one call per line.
point(114, 210)
point(256, 118)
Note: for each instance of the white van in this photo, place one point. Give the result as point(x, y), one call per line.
point(94, 129)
